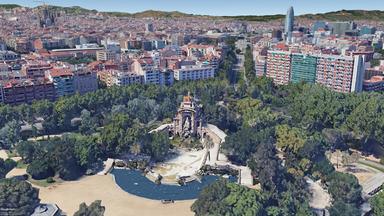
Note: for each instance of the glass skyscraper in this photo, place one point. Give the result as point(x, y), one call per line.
point(289, 22)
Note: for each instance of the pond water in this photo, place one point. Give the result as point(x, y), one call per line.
point(135, 183)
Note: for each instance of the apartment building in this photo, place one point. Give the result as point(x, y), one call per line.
point(303, 68)
point(63, 81)
point(8, 56)
point(279, 67)
point(166, 77)
point(194, 72)
point(16, 92)
point(35, 70)
point(119, 78)
point(85, 80)
point(106, 55)
point(375, 83)
point(340, 73)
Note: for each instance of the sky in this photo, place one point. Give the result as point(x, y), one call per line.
point(214, 7)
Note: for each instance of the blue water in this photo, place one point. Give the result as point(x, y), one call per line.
point(135, 183)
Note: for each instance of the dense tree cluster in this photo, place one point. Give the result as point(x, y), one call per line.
point(249, 64)
point(17, 197)
point(377, 204)
point(223, 198)
point(68, 156)
point(6, 166)
point(94, 209)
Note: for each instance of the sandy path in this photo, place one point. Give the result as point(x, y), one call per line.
point(320, 198)
point(16, 172)
point(3, 154)
point(69, 195)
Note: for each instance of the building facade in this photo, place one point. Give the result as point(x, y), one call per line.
point(17, 92)
point(279, 67)
point(289, 23)
point(376, 83)
point(303, 68)
point(194, 73)
point(85, 81)
point(63, 81)
point(335, 72)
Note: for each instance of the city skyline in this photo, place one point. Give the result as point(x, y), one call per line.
point(215, 7)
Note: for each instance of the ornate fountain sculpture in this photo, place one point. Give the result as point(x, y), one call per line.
point(189, 120)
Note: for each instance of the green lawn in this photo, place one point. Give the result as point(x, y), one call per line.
point(21, 165)
point(43, 182)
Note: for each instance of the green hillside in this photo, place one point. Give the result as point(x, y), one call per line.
point(347, 15)
point(9, 6)
point(330, 16)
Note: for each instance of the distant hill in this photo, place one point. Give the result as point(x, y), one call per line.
point(341, 15)
point(347, 15)
point(150, 13)
point(9, 6)
point(73, 9)
point(263, 18)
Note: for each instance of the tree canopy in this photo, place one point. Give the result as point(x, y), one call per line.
point(94, 209)
point(18, 197)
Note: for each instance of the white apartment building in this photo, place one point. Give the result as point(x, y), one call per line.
point(127, 78)
point(194, 72)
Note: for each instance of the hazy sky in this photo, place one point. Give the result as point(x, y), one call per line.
point(216, 7)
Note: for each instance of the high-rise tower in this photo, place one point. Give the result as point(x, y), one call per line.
point(289, 22)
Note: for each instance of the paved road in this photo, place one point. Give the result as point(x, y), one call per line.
point(239, 67)
point(373, 183)
point(372, 163)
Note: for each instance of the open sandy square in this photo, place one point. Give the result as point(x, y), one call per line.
point(69, 195)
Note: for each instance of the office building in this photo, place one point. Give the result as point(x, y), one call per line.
point(340, 28)
point(147, 45)
point(366, 30)
point(319, 25)
point(277, 35)
point(289, 23)
point(149, 27)
point(159, 44)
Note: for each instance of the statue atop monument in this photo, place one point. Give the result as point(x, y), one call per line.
point(189, 120)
